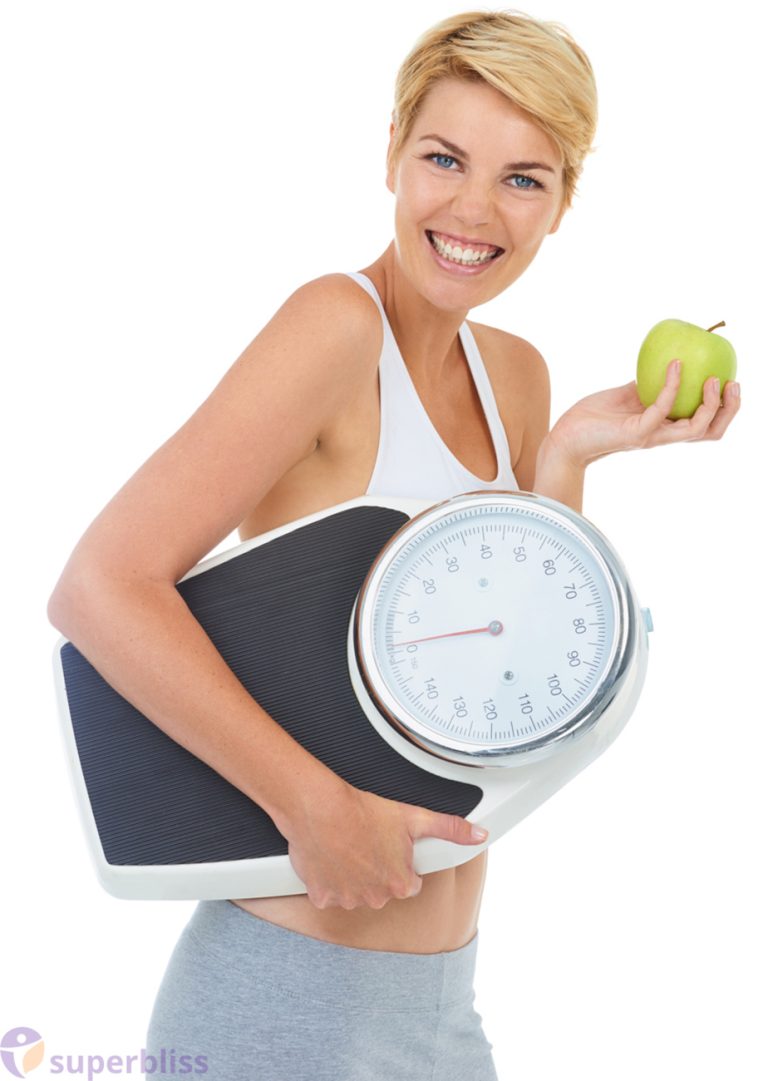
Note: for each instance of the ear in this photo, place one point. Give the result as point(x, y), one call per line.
point(390, 164)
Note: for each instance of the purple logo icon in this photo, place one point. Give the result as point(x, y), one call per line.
point(21, 1050)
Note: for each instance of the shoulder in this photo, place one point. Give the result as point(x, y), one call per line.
point(328, 335)
point(309, 359)
point(517, 371)
point(510, 356)
point(336, 306)
point(324, 337)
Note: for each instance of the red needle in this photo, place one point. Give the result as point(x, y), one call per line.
point(494, 627)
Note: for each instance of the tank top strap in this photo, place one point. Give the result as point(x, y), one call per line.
point(487, 398)
point(373, 292)
point(398, 402)
point(412, 459)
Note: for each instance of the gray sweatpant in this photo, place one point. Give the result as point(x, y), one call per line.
point(243, 999)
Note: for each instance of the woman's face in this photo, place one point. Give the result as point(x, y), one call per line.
point(475, 173)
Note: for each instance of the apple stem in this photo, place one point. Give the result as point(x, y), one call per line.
point(720, 324)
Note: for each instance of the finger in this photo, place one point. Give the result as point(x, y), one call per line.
point(657, 412)
point(706, 412)
point(414, 888)
point(448, 827)
point(320, 898)
point(694, 428)
point(724, 415)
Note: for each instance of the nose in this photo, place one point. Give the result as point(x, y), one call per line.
point(472, 202)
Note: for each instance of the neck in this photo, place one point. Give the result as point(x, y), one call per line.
point(427, 336)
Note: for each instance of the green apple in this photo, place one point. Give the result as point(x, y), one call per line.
point(702, 353)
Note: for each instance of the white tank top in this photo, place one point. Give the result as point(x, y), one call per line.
point(412, 459)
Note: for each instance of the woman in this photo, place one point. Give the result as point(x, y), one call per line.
point(375, 383)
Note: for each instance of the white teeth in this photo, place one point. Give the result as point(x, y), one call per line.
point(457, 254)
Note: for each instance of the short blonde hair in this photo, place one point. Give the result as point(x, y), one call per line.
point(537, 65)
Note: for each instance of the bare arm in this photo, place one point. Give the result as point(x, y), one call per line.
point(116, 599)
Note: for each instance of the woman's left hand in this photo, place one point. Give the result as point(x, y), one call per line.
point(615, 419)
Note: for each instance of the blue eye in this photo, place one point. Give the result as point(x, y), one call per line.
point(443, 157)
point(532, 182)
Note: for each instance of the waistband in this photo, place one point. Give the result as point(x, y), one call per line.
point(325, 972)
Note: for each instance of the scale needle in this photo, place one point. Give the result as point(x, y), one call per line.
point(494, 627)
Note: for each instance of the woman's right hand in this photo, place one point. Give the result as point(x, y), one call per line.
point(353, 848)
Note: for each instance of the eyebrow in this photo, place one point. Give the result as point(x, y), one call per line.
point(510, 165)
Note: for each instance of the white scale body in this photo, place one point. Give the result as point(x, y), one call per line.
point(495, 640)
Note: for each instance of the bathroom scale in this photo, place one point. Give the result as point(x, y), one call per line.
point(470, 656)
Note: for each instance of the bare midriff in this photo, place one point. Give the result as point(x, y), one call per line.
point(443, 915)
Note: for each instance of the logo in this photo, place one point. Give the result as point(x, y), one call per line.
point(21, 1050)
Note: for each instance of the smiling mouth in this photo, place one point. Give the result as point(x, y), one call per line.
point(466, 255)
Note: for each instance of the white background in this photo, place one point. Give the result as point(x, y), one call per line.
point(171, 172)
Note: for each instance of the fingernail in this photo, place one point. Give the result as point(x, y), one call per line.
point(735, 390)
point(676, 367)
point(478, 833)
point(717, 385)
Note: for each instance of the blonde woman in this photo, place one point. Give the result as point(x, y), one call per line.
point(370, 382)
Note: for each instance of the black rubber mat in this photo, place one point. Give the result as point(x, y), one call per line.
point(279, 615)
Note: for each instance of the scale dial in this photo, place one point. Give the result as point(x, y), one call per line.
point(493, 627)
